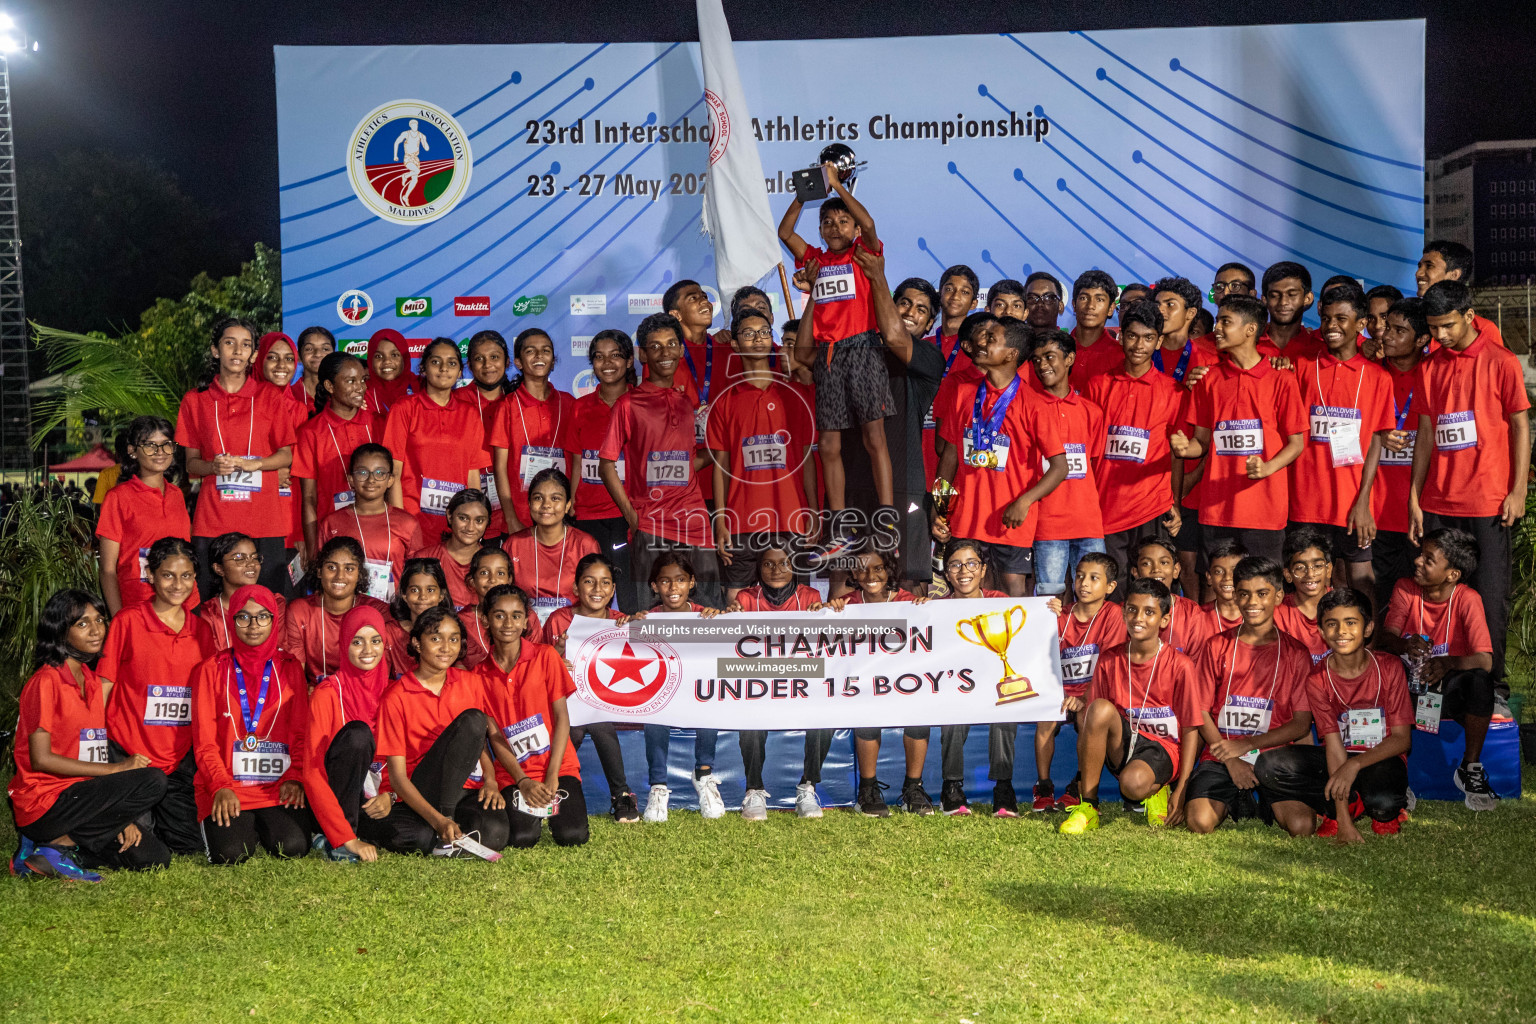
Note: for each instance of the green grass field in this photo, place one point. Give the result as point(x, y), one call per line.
point(846, 918)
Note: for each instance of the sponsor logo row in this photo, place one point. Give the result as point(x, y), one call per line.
point(355, 307)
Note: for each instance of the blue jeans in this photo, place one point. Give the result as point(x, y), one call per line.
point(1056, 560)
point(659, 737)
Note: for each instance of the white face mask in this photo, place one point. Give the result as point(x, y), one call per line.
point(549, 810)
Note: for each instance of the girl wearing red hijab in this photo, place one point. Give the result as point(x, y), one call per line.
point(250, 714)
point(388, 383)
point(238, 435)
point(277, 360)
point(343, 715)
point(438, 444)
point(312, 624)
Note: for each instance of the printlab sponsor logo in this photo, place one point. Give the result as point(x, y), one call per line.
point(415, 305)
point(589, 305)
point(530, 305)
point(354, 307)
point(645, 304)
point(409, 161)
point(580, 343)
point(624, 676)
point(472, 305)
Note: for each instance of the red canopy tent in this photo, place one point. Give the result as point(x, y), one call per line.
point(93, 461)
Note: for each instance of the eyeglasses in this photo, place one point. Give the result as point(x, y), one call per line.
point(246, 618)
point(377, 474)
point(971, 564)
point(1235, 287)
point(156, 447)
point(765, 334)
point(239, 559)
point(1041, 300)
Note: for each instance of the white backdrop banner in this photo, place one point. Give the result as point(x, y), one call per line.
point(940, 663)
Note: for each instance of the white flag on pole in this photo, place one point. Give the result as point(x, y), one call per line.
point(736, 215)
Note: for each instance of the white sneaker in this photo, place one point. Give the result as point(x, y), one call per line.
point(754, 806)
point(656, 804)
point(711, 805)
point(806, 804)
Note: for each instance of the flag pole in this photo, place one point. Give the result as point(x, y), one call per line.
point(789, 303)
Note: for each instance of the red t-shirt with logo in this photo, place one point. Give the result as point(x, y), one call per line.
point(1382, 685)
point(490, 411)
point(253, 421)
point(218, 727)
point(1249, 412)
point(1456, 627)
point(845, 306)
point(51, 701)
point(321, 450)
point(412, 717)
point(151, 668)
point(1072, 509)
point(1156, 695)
point(521, 703)
point(313, 635)
point(653, 428)
point(983, 493)
point(1135, 471)
point(389, 536)
point(1468, 397)
point(765, 434)
point(1252, 679)
point(547, 572)
point(530, 430)
point(136, 515)
point(583, 436)
point(1083, 642)
point(1394, 474)
point(1356, 395)
point(438, 447)
point(1295, 623)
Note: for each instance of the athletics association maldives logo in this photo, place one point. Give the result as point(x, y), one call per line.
point(719, 126)
point(624, 676)
point(409, 161)
point(354, 307)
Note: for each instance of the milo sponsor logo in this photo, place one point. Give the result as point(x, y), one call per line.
point(418, 305)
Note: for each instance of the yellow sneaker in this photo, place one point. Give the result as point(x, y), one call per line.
point(1157, 807)
point(1084, 818)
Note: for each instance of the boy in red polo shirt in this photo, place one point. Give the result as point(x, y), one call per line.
point(1472, 457)
point(999, 433)
point(842, 346)
point(1451, 261)
point(1178, 352)
point(1349, 412)
point(653, 426)
point(759, 435)
point(1135, 473)
point(958, 288)
point(1249, 416)
point(1098, 348)
point(1070, 525)
point(1404, 335)
point(1438, 625)
point(1287, 295)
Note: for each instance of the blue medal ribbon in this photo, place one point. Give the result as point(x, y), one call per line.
point(950, 359)
point(253, 718)
point(984, 429)
point(1402, 415)
point(1183, 367)
point(709, 365)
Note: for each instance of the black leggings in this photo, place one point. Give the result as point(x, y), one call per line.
point(440, 778)
point(93, 811)
point(606, 741)
point(281, 831)
point(346, 766)
point(568, 825)
point(174, 818)
point(754, 752)
point(1300, 773)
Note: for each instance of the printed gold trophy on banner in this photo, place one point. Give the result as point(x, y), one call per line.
point(995, 631)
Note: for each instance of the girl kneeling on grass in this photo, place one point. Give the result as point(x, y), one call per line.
point(250, 714)
point(594, 595)
point(421, 587)
point(67, 801)
point(526, 685)
point(343, 717)
point(432, 734)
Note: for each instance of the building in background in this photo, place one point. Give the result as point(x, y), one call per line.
point(1484, 196)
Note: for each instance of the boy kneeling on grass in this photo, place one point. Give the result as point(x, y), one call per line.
point(1135, 713)
point(1359, 701)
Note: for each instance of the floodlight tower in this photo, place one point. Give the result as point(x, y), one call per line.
point(15, 399)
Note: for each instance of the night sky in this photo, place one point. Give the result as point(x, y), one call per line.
point(190, 85)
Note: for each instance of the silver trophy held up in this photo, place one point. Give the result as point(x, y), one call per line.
point(811, 183)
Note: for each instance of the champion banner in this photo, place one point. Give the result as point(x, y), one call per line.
point(443, 190)
point(938, 663)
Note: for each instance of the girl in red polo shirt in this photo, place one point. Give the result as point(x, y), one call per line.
point(388, 383)
point(594, 600)
point(612, 355)
point(488, 360)
point(432, 736)
point(250, 713)
point(324, 443)
point(142, 508)
point(312, 629)
point(343, 717)
point(468, 515)
point(276, 361)
point(315, 343)
point(489, 569)
point(525, 438)
point(387, 535)
point(421, 587)
point(68, 801)
point(152, 651)
point(526, 685)
point(238, 435)
point(544, 557)
point(236, 564)
point(438, 443)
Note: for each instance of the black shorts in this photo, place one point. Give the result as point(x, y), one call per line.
point(1147, 751)
point(1009, 558)
point(1470, 691)
point(856, 388)
point(1260, 543)
point(1345, 546)
point(1211, 781)
point(1190, 532)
